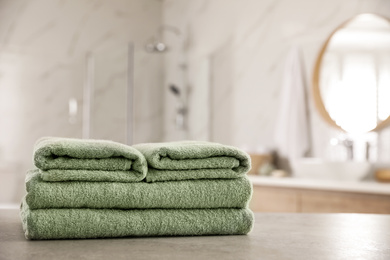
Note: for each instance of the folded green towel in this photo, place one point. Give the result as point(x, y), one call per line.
point(76, 158)
point(224, 193)
point(105, 223)
point(193, 160)
point(90, 175)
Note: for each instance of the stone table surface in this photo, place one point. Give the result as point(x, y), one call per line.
point(275, 236)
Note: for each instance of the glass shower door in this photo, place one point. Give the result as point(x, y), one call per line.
point(108, 95)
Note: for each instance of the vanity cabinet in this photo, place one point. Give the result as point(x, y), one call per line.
point(267, 198)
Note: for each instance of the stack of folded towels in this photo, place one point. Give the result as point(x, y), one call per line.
point(98, 189)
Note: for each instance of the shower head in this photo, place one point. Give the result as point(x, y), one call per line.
point(155, 45)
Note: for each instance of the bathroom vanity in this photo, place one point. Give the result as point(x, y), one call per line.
point(314, 196)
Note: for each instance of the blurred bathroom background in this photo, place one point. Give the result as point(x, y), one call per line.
point(161, 70)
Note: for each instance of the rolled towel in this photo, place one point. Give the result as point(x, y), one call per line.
point(193, 160)
point(106, 223)
point(224, 193)
point(66, 159)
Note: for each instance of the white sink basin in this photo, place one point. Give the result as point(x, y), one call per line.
point(313, 168)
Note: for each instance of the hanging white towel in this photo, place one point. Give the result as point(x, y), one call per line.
point(292, 135)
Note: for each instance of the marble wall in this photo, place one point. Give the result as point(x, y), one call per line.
point(235, 53)
point(225, 56)
point(43, 48)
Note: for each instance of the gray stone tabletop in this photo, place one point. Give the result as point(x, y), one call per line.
point(275, 236)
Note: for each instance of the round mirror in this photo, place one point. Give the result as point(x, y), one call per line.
point(351, 81)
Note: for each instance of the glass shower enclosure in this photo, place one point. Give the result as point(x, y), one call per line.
point(43, 95)
point(108, 95)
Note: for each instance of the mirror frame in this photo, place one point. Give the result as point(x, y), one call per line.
point(316, 77)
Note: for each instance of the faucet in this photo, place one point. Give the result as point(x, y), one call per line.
point(347, 143)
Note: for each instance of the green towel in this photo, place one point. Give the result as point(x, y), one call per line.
point(106, 223)
point(66, 159)
point(90, 175)
point(223, 193)
point(193, 160)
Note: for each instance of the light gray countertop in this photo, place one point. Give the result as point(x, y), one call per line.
point(368, 187)
point(275, 236)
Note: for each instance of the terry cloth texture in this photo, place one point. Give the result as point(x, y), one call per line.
point(221, 193)
point(66, 159)
point(99, 223)
point(193, 160)
point(96, 189)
